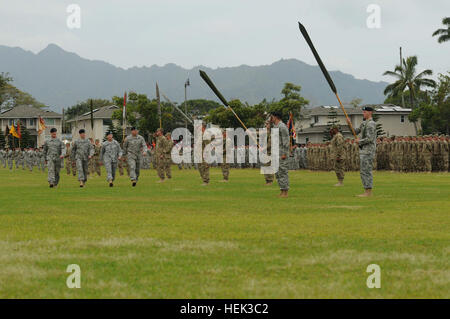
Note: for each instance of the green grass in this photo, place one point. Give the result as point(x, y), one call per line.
point(234, 240)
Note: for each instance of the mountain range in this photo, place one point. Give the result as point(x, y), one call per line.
point(61, 79)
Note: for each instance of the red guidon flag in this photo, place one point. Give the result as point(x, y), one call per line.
point(18, 130)
point(124, 114)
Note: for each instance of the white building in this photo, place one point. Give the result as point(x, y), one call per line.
point(102, 121)
point(313, 121)
point(29, 119)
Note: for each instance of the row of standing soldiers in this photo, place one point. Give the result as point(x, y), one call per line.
point(401, 154)
point(26, 158)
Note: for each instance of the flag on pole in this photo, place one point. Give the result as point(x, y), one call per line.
point(13, 132)
point(41, 126)
point(124, 112)
point(291, 126)
point(19, 132)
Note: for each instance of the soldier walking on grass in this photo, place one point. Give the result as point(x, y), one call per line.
point(54, 152)
point(203, 167)
point(168, 156)
point(282, 174)
point(134, 148)
point(367, 148)
point(227, 146)
point(111, 153)
point(337, 154)
point(162, 143)
point(82, 152)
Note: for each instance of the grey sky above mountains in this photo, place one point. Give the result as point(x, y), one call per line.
point(222, 33)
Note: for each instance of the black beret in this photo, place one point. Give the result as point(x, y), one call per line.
point(109, 133)
point(133, 128)
point(368, 108)
point(53, 130)
point(276, 114)
point(81, 131)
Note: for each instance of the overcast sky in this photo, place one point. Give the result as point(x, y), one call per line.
point(221, 33)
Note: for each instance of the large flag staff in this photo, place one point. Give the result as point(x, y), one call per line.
point(325, 73)
point(92, 119)
point(177, 108)
point(208, 81)
point(158, 100)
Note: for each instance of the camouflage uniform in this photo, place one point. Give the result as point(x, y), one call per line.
point(282, 174)
point(81, 151)
point(53, 150)
point(367, 145)
point(109, 154)
point(337, 154)
point(161, 146)
point(168, 157)
point(203, 167)
point(134, 147)
point(224, 165)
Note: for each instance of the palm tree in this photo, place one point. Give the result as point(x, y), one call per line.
point(407, 78)
point(444, 34)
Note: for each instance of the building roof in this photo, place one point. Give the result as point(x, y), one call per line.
point(319, 129)
point(27, 111)
point(325, 110)
point(104, 112)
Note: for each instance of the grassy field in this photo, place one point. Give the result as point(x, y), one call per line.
point(227, 240)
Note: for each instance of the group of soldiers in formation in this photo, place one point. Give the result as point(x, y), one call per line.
point(428, 153)
point(85, 157)
point(28, 158)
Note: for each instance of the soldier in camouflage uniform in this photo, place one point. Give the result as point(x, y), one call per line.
point(82, 152)
point(367, 145)
point(168, 156)
point(54, 152)
point(3, 158)
point(282, 174)
point(161, 147)
point(134, 147)
point(10, 158)
point(110, 154)
point(96, 162)
point(427, 153)
point(224, 165)
point(337, 154)
point(269, 177)
point(444, 150)
point(203, 167)
point(67, 161)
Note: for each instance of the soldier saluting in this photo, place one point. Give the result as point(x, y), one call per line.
point(367, 149)
point(54, 152)
point(82, 152)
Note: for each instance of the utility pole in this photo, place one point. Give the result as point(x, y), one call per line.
point(186, 84)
